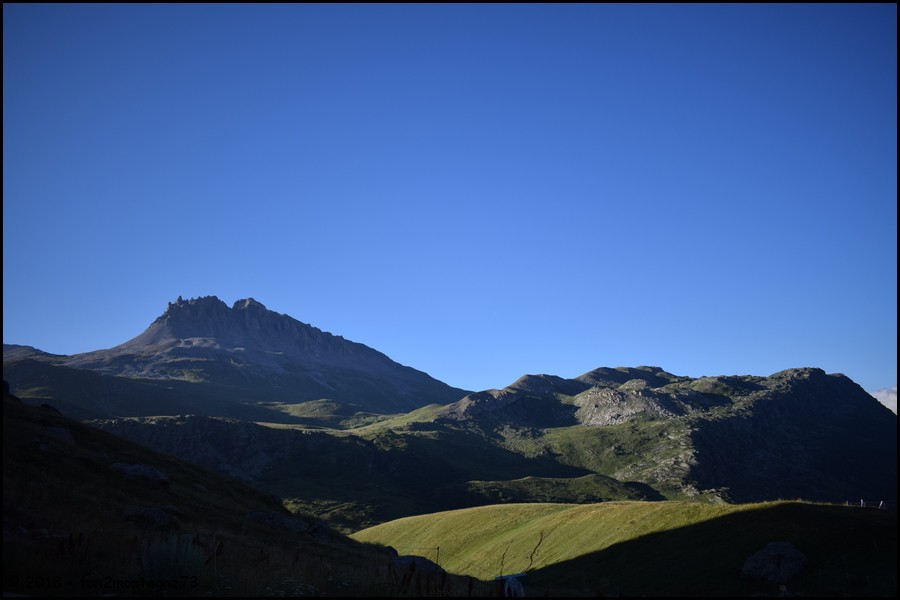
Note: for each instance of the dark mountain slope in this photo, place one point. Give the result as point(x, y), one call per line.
point(803, 434)
point(88, 513)
point(84, 394)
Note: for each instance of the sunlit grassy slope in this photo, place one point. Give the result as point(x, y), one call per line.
point(478, 537)
point(654, 548)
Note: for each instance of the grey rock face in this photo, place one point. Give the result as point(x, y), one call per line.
point(603, 406)
point(479, 403)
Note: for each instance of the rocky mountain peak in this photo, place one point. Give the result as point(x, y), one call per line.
point(247, 323)
point(260, 353)
point(193, 308)
point(248, 303)
point(199, 302)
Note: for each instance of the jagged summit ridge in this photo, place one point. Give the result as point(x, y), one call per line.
point(208, 305)
point(211, 303)
point(247, 323)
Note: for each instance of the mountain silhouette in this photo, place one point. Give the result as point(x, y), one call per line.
point(252, 356)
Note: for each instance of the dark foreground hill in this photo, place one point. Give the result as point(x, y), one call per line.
point(86, 513)
point(203, 357)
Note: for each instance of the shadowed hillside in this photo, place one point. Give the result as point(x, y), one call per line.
point(89, 513)
point(358, 481)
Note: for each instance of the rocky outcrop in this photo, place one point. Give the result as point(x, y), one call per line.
point(479, 403)
point(512, 406)
point(605, 406)
point(598, 398)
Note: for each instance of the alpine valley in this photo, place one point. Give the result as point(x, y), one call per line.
point(627, 480)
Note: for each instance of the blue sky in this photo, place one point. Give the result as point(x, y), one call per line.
point(478, 191)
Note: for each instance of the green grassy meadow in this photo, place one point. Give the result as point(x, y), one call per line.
point(655, 548)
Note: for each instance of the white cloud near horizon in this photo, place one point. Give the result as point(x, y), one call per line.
point(888, 397)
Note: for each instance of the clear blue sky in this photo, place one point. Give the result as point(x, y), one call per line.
point(478, 191)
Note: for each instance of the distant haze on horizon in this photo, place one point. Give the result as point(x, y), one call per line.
point(478, 191)
point(888, 397)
